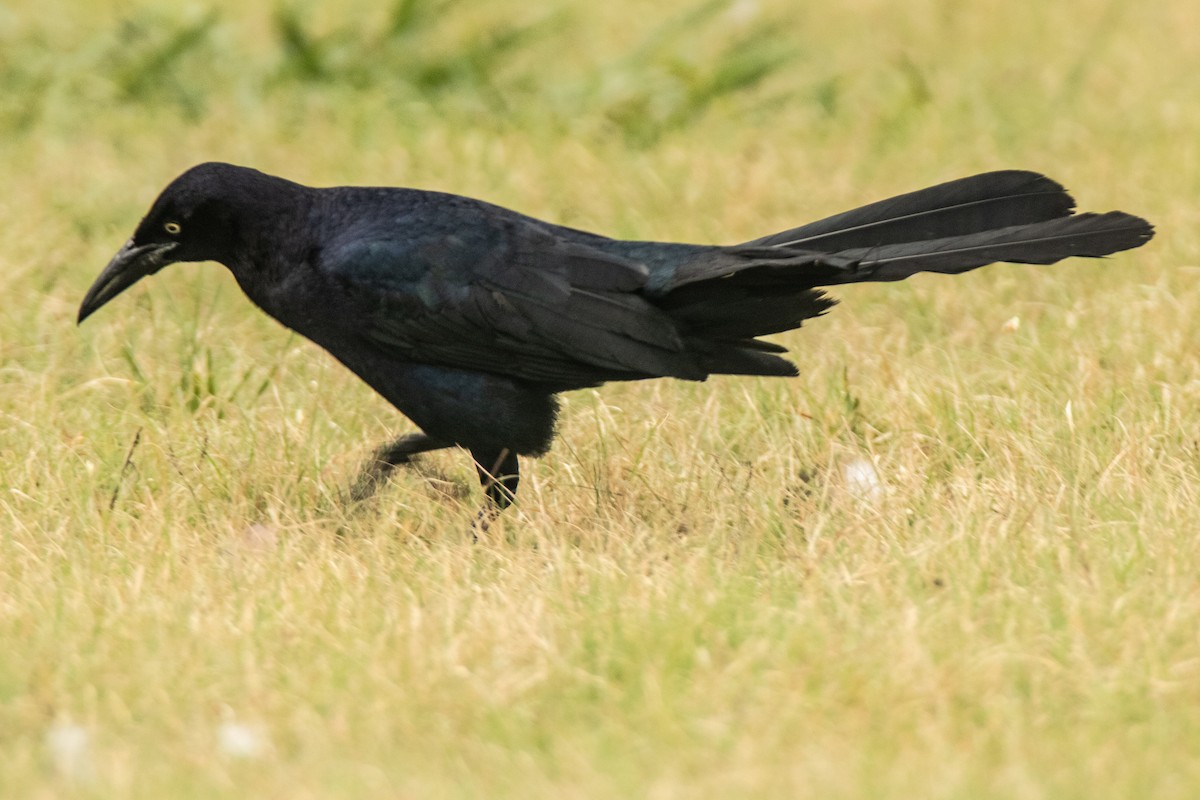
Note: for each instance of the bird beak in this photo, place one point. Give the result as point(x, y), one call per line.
point(127, 267)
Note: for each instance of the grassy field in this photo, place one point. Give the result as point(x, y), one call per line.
point(699, 595)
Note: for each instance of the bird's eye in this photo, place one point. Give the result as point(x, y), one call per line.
point(172, 228)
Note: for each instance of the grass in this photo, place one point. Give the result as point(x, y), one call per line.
point(691, 599)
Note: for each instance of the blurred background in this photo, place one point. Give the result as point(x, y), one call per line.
point(829, 105)
point(954, 559)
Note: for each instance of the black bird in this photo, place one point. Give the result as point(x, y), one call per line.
point(470, 318)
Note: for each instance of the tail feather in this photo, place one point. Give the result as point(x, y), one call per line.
point(729, 310)
point(739, 357)
point(967, 205)
point(723, 297)
point(1085, 235)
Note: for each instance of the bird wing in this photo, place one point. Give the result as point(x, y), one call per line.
point(505, 296)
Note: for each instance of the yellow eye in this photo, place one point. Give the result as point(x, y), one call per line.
point(172, 228)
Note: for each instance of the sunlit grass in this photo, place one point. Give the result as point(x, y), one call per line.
point(691, 598)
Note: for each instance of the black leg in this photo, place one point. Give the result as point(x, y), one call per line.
point(387, 458)
point(499, 473)
point(403, 449)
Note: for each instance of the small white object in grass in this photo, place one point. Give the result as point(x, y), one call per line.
point(259, 538)
point(1011, 325)
point(862, 480)
point(240, 740)
point(70, 750)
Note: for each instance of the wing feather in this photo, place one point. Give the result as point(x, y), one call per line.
point(513, 298)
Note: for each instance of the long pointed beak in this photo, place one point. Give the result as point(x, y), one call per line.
point(127, 267)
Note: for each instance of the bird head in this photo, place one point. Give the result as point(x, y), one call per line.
point(196, 218)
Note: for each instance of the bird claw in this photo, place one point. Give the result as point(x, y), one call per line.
point(482, 523)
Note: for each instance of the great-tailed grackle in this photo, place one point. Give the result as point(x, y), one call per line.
point(470, 318)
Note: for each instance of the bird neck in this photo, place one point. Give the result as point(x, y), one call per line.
point(269, 229)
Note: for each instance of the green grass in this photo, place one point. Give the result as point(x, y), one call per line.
point(690, 599)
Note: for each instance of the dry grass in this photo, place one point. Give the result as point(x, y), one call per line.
point(691, 600)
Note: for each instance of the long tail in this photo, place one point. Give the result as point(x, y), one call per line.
point(1086, 235)
point(769, 285)
point(968, 205)
point(1013, 216)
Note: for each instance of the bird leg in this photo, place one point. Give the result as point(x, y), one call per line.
point(387, 458)
point(499, 474)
